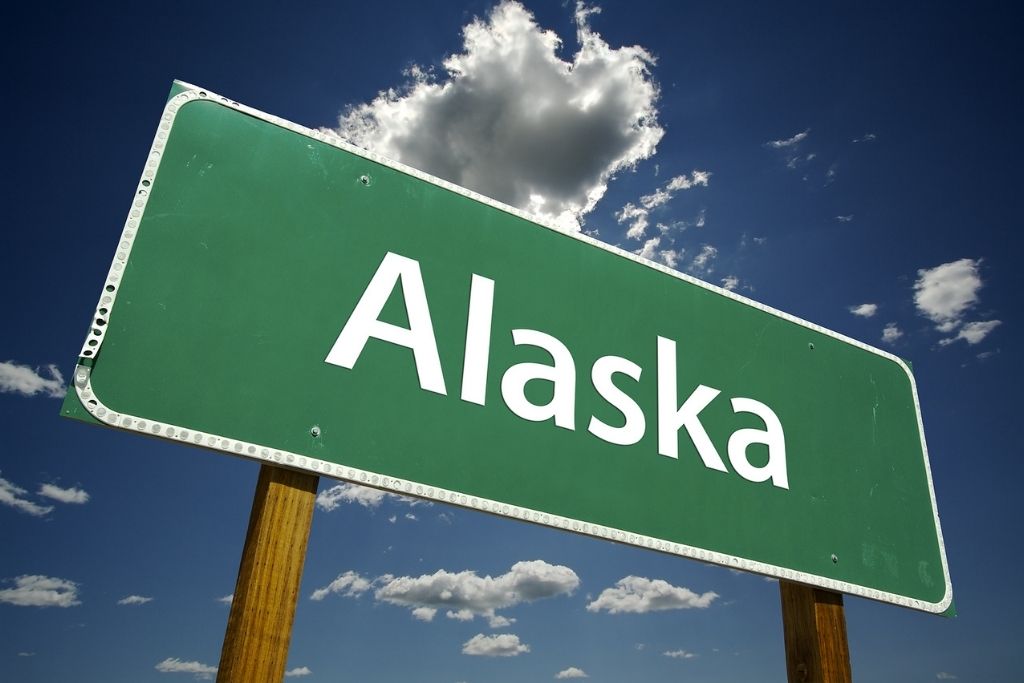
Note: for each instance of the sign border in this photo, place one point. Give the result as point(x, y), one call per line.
point(92, 403)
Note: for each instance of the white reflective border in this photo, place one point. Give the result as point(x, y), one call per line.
point(133, 423)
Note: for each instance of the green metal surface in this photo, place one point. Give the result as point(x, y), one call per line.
point(257, 242)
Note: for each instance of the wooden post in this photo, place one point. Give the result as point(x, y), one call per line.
point(260, 623)
point(814, 627)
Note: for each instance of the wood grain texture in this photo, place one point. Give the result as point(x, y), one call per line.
point(260, 623)
point(814, 626)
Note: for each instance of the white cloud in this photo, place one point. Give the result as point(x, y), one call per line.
point(467, 594)
point(424, 613)
point(864, 310)
point(651, 251)
point(174, 665)
point(330, 499)
point(845, 219)
point(460, 615)
point(26, 654)
point(944, 293)
point(349, 584)
point(298, 671)
point(71, 495)
point(134, 600)
point(702, 262)
point(513, 121)
point(21, 379)
point(12, 495)
point(973, 333)
point(891, 333)
point(867, 137)
point(638, 217)
point(501, 645)
point(41, 591)
point(679, 654)
point(730, 282)
point(227, 599)
point(788, 142)
point(636, 594)
point(945, 676)
point(571, 672)
point(498, 621)
point(681, 182)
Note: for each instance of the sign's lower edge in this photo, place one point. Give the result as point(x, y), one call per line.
point(176, 433)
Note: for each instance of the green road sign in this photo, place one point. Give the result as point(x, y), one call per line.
point(281, 295)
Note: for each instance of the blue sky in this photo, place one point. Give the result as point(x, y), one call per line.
point(857, 166)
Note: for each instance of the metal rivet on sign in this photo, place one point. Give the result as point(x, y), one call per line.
point(811, 346)
point(364, 179)
point(835, 559)
point(315, 430)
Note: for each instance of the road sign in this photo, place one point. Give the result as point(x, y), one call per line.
point(281, 295)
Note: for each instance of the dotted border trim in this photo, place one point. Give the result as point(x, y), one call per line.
point(94, 340)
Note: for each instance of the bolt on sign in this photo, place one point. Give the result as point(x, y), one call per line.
point(281, 295)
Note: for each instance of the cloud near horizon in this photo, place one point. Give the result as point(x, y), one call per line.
point(512, 120)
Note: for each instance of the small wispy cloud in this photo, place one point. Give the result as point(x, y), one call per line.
point(972, 333)
point(203, 672)
point(864, 310)
point(298, 671)
point(730, 282)
point(652, 251)
point(831, 173)
point(40, 591)
point(678, 654)
point(784, 143)
point(349, 584)
point(945, 676)
point(134, 600)
point(72, 496)
point(22, 379)
point(703, 262)
point(891, 333)
point(638, 217)
point(330, 499)
point(867, 137)
point(845, 219)
point(14, 496)
point(227, 599)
